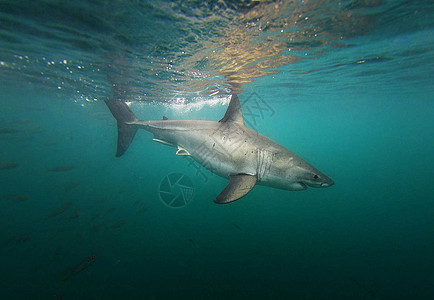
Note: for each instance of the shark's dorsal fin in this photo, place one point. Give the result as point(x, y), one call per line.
point(239, 185)
point(234, 112)
point(165, 118)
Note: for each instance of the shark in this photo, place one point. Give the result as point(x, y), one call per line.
point(227, 147)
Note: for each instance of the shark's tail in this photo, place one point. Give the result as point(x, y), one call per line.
point(126, 131)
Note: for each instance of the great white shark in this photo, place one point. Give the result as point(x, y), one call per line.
point(227, 148)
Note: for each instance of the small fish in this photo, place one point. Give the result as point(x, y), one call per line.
point(371, 293)
point(50, 143)
point(7, 166)
point(23, 121)
point(101, 199)
point(7, 137)
point(116, 262)
point(137, 202)
point(142, 210)
point(61, 209)
point(75, 214)
point(61, 168)
point(118, 224)
point(19, 239)
point(60, 295)
point(95, 216)
point(70, 185)
point(16, 197)
point(192, 242)
point(109, 211)
point(36, 108)
point(96, 228)
point(237, 227)
point(8, 130)
point(83, 265)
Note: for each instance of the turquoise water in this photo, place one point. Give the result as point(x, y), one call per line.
point(353, 97)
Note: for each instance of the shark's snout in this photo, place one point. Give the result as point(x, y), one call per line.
point(327, 183)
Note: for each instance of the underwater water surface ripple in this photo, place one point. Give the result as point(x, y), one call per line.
point(167, 51)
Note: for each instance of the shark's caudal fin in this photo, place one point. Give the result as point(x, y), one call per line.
point(123, 116)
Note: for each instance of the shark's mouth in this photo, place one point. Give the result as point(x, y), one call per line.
point(302, 185)
point(315, 184)
point(319, 185)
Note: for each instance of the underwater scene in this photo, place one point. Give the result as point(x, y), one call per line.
point(216, 149)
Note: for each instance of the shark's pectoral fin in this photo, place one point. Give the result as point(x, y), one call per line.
point(182, 151)
point(239, 185)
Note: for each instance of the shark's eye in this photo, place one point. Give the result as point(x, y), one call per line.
point(315, 176)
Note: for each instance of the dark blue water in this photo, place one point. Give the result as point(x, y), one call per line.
point(347, 86)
